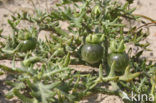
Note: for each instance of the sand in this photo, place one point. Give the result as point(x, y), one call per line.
point(9, 7)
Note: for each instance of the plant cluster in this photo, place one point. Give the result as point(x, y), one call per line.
point(96, 36)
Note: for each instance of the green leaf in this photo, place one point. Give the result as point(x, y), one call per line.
point(59, 31)
point(67, 60)
point(117, 46)
point(49, 74)
point(43, 92)
point(23, 97)
point(32, 60)
point(1, 30)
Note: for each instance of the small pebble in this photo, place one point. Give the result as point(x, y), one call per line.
point(5, 15)
point(151, 54)
point(150, 4)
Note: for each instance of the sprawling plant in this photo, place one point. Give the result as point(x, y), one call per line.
point(96, 36)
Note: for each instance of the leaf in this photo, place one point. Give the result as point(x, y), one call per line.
point(41, 91)
point(139, 54)
point(31, 60)
point(131, 10)
point(8, 69)
point(1, 30)
point(127, 76)
point(23, 97)
point(67, 60)
point(60, 32)
point(15, 70)
point(49, 74)
point(16, 85)
point(125, 6)
point(121, 47)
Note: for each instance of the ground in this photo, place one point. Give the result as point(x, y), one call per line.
point(9, 7)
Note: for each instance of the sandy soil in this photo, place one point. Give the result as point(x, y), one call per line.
point(9, 7)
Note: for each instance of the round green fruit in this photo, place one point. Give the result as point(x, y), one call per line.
point(121, 61)
point(27, 45)
point(92, 53)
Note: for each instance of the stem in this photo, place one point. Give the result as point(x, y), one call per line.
point(153, 86)
point(32, 60)
point(112, 71)
point(67, 60)
point(100, 71)
point(11, 70)
point(14, 50)
point(145, 17)
point(54, 72)
point(147, 24)
point(13, 36)
point(105, 43)
point(127, 71)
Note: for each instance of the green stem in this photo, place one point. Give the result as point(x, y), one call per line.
point(54, 72)
point(32, 60)
point(129, 76)
point(67, 60)
point(100, 71)
point(12, 70)
point(14, 50)
point(153, 86)
point(106, 54)
point(112, 71)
